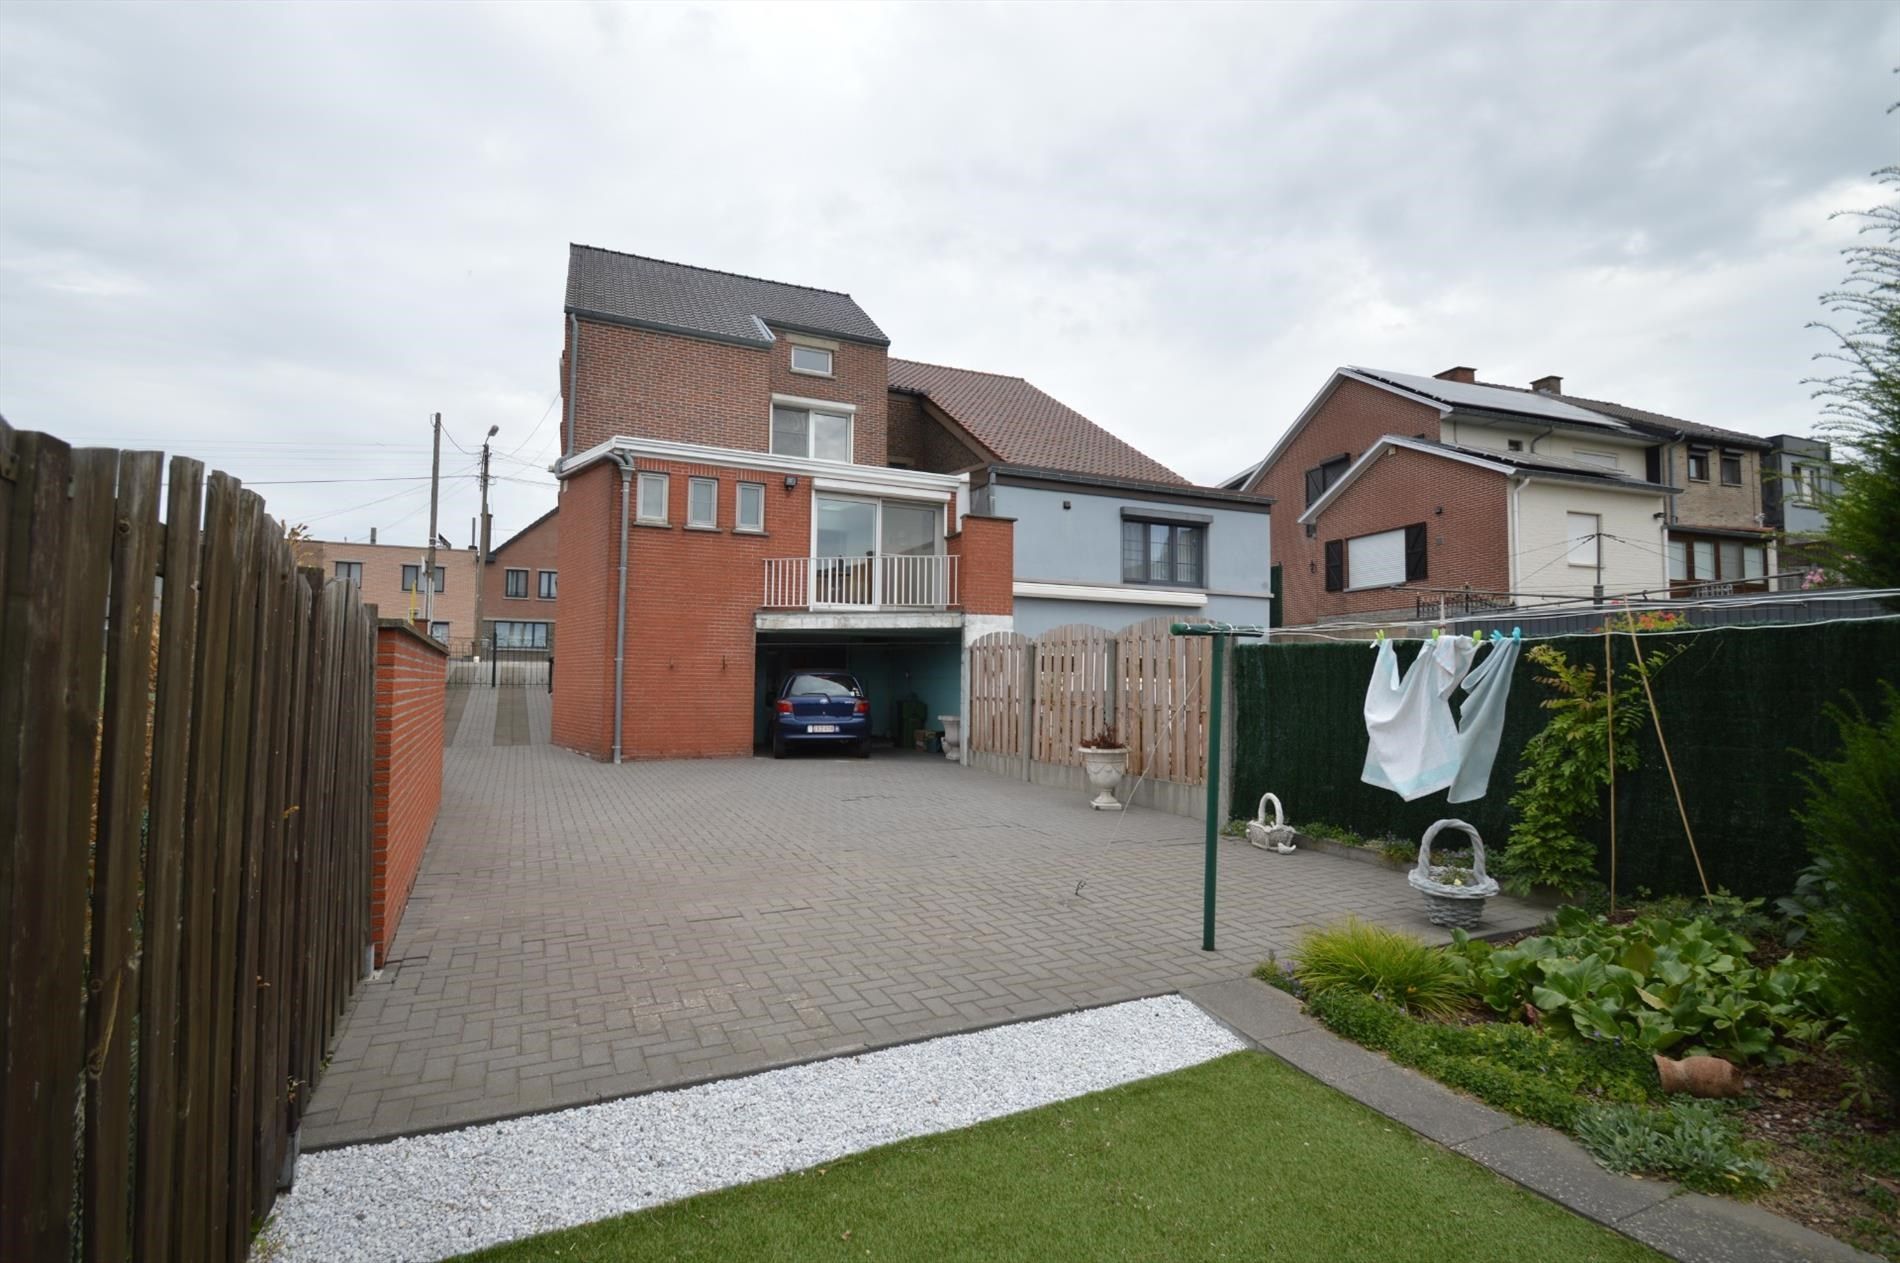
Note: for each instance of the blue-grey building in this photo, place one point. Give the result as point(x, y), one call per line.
point(1797, 482)
point(1114, 551)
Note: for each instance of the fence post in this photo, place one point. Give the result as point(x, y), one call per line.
point(1029, 705)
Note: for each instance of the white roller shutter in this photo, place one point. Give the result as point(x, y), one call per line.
point(1376, 561)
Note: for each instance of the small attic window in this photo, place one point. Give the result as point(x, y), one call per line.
point(1516, 445)
point(811, 359)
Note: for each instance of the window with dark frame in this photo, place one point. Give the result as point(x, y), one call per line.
point(515, 635)
point(412, 576)
point(1335, 565)
point(1173, 553)
point(549, 584)
point(351, 570)
point(1698, 464)
point(1731, 469)
point(1324, 475)
point(515, 585)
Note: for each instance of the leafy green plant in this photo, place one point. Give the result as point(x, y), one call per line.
point(1694, 1142)
point(1518, 1069)
point(1279, 974)
point(1332, 833)
point(1657, 983)
point(1564, 769)
point(1382, 963)
point(1816, 893)
point(1852, 819)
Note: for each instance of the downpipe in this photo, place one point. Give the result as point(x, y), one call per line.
point(620, 609)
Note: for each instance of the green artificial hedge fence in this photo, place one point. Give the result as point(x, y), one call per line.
point(1736, 706)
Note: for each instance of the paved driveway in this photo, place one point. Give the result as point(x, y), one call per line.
point(582, 931)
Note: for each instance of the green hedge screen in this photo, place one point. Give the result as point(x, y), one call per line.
point(1736, 706)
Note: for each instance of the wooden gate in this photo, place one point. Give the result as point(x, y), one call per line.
point(1072, 690)
point(1162, 682)
point(997, 693)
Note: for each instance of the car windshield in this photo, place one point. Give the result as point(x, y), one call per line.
point(822, 685)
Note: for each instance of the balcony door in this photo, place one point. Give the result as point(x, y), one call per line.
point(869, 553)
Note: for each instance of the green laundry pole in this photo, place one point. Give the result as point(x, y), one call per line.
point(1223, 634)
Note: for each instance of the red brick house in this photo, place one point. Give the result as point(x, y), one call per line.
point(1409, 488)
point(522, 586)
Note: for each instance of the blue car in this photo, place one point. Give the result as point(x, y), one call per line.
point(815, 708)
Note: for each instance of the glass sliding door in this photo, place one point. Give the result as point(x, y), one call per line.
point(910, 571)
point(844, 568)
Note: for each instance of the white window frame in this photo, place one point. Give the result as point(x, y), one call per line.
point(831, 360)
point(1584, 550)
point(812, 408)
point(1360, 564)
point(507, 581)
point(711, 521)
point(653, 485)
point(739, 522)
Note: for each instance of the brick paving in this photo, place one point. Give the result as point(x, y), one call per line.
point(581, 931)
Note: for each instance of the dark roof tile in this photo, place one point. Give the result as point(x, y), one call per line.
point(705, 303)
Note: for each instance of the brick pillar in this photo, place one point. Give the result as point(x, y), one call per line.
point(411, 706)
point(985, 549)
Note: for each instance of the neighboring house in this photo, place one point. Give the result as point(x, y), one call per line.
point(1111, 551)
point(523, 584)
point(1410, 489)
point(1104, 534)
point(793, 496)
point(390, 576)
point(1718, 538)
point(1798, 480)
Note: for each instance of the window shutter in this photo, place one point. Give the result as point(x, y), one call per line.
point(1335, 565)
point(1315, 484)
point(1415, 552)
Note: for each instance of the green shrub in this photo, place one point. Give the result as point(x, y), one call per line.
point(1332, 833)
point(1382, 963)
point(1515, 1068)
point(1565, 767)
point(1658, 984)
point(1852, 818)
point(1694, 1142)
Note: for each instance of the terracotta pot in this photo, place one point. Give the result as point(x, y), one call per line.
point(1699, 1076)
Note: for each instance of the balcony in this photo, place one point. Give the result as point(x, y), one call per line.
point(889, 582)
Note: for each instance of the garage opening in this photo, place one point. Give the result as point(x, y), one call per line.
point(909, 676)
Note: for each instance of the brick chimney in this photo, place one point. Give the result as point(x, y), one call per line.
point(1552, 385)
point(1460, 373)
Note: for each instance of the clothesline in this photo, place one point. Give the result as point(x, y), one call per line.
point(1302, 634)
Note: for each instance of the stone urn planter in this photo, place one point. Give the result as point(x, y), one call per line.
point(952, 736)
point(1454, 896)
point(1104, 762)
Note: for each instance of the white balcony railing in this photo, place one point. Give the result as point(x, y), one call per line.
point(860, 583)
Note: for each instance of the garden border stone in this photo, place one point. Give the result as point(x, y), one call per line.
point(1685, 1226)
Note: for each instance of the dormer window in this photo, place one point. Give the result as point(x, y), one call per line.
point(814, 360)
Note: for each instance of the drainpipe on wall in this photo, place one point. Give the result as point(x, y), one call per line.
point(573, 367)
point(620, 606)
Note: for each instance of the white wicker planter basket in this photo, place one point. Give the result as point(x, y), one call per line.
point(1452, 900)
point(1277, 836)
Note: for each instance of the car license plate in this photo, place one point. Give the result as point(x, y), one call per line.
point(822, 728)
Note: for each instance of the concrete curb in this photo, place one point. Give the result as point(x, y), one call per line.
point(1683, 1225)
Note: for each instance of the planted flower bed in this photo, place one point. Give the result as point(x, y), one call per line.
point(1564, 1029)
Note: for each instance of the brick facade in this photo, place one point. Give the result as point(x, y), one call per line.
point(382, 578)
point(695, 390)
point(407, 775)
point(1352, 418)
point(920, 441)
point(1711, 502)
point(588, 553)
point(985, 549)
point(1467, 534)
point(534, 549)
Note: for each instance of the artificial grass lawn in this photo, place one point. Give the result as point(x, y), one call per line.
point(1243, 1158)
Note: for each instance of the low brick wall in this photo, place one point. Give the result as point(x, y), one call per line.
point(411, 681)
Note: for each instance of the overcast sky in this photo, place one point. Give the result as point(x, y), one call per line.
point(278, 237)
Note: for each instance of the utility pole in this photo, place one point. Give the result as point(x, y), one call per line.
point(481, 542)
point(435, 491)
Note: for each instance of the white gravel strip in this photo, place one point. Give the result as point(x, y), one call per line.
point(430, 1197)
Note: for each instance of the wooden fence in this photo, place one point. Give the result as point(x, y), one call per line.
point(185, 759)
point(1035, 700)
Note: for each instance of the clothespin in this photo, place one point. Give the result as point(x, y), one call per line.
point(1477, 637)
point(1517, 634)
point(1378, 638)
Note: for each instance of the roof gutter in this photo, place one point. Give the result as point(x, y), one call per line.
point(620, 607)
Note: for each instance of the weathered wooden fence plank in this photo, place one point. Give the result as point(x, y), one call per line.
point(172, 736)
point(112, 990)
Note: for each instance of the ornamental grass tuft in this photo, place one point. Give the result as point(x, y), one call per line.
point(1386, 964)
